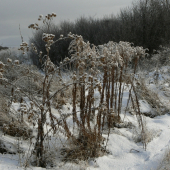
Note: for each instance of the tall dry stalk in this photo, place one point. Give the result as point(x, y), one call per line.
point(89, 63)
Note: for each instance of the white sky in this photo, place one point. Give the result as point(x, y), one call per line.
point(25, 12)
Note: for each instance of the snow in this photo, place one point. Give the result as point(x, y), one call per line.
point(125, 153)
point(144, 106)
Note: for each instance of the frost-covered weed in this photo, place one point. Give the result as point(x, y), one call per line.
point(148, 134)
point(157, 107)
point(101, 70)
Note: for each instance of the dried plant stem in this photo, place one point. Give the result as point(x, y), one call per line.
point(120, 91)
point(113, 87)
point(74, 93)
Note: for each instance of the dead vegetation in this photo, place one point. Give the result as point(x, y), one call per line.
point(152, 98)
point(84, 148)
point(41, 96)
point(165, 162)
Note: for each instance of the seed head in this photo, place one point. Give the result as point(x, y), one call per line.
point(1, 75)
point(16, 61)
point(2, 64)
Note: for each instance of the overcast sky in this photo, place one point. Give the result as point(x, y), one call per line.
point(24, 12)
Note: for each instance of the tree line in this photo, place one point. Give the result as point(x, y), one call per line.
point(145, 23)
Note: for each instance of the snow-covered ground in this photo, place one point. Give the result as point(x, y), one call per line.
point(128, 155)
point(125, 151)
point(125, 154)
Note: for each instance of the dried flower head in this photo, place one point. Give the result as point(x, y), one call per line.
point(16, 61)
point(1, 64)
point(1, 75)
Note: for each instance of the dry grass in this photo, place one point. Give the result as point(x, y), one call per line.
point(148, 134)
point(11, 126)
point(165, 162)
point(152, 98)
point(17, 129)
point(84, 148)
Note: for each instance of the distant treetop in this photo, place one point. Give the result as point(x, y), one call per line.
point(3, 48)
